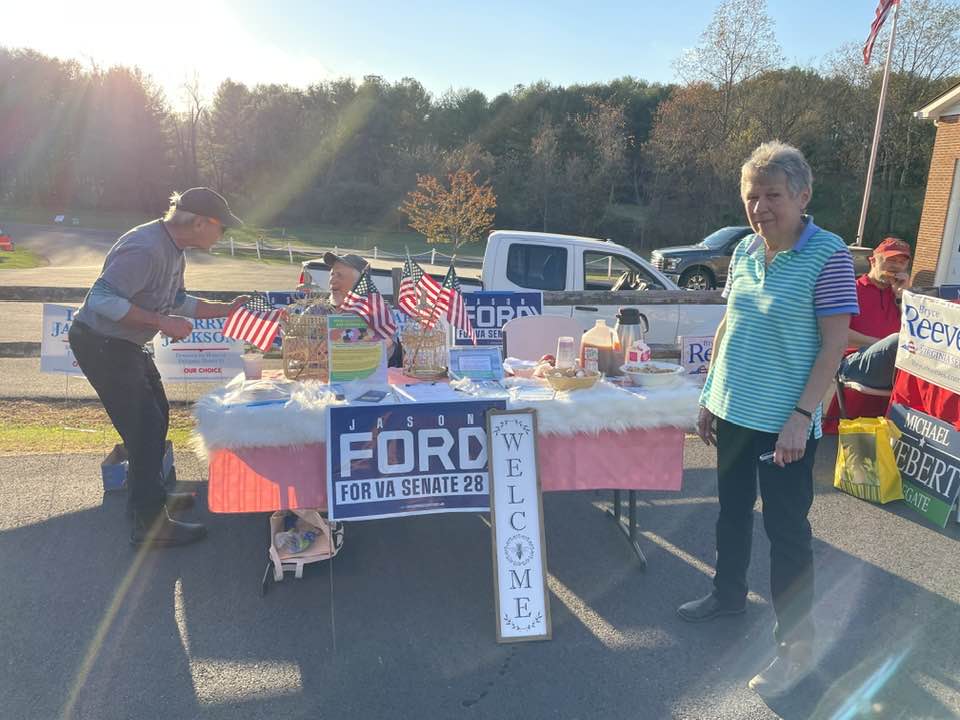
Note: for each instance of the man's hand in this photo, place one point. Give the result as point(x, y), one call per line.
point(706, 426)
point(792, 441)
point(174, 327)
point(899, 283)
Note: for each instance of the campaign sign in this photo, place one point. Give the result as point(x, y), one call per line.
point(490, 311)
point(205, 355)
point(928, 457)
point(950, 292)
point(395, 460)
point(695, 352)
point(55, 353)
point(929, 343)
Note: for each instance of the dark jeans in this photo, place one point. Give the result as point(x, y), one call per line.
point(787, 495)
point(129, 386)
point(874, 365)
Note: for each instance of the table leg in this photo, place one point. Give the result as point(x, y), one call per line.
point(631, 529)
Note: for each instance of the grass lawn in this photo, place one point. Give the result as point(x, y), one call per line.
point(308, 236)
point(19, 259)
point(71, 426)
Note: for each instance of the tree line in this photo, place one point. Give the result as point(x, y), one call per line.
point(646, 164)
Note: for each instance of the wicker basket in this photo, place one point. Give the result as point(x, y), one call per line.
point(559, 382)
point(424, 351)
point(305, 340)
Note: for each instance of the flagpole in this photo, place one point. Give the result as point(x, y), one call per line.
point(877, 127)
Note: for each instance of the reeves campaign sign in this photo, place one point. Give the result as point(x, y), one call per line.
point(205, 355)
point(695, 356)
point(490, 311)
point(928, 457)
point(55, 353)
point(393, 460)
point(929, 343)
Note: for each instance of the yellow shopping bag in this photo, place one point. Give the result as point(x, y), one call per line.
point(866, 467)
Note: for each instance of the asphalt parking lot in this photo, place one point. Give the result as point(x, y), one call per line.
point(402, 624)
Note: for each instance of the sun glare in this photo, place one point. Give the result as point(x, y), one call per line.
point(212, 44)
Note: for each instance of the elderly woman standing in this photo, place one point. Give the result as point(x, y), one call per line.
point(790, 293)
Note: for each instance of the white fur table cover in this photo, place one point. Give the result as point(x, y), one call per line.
point(302, 420)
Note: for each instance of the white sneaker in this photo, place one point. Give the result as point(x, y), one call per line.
point(791, 665)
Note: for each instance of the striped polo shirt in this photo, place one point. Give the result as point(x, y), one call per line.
point(772, 338)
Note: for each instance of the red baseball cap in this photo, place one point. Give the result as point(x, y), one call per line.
point(891, 247)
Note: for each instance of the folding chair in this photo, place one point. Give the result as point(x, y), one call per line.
point(533, 336)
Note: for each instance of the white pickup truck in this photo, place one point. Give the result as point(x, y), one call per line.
point(517, 260)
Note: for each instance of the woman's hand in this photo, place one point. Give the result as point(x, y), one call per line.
point(706, 426)
point(792, 441)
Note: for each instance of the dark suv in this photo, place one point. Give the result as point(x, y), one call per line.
point(702, 266)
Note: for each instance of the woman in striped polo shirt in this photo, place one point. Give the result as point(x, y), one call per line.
point(790, 293)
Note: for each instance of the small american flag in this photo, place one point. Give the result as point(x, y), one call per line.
point(414, 282)
point(451, 300)
point(256, 322)
point(883, 7)
point(368, 303)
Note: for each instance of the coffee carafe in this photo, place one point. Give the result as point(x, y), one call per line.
point(631, 328)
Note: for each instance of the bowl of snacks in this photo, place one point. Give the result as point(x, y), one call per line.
point(653, 373)
point(571, 378)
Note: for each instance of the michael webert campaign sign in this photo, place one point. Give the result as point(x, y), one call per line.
point(929, 343)
point(489, 311)
point(408, 459)
point(205, 355)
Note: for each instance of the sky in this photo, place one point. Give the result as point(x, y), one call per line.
point(490, 46)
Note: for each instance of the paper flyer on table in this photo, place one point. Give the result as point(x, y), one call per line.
point(355, 352)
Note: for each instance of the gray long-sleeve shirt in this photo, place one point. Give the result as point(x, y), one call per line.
point(144, 268)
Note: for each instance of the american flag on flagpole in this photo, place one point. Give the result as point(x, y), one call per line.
point(414, 282)
point(256, 322)
point(451, 300)
point(883, 8)
point(368, 303)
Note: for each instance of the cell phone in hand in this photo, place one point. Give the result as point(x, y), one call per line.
point(767, 457)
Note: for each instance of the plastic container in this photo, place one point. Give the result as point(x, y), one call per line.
point(602, 337)
point(294, 541)
point(252, 365)
point(566, 352)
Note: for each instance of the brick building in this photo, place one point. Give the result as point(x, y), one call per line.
point(937, 255)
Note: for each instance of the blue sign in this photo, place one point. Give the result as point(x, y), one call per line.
point(950, 292)
point(407, 459)
point(490, 311)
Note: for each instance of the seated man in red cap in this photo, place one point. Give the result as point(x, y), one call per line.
point(873, 333)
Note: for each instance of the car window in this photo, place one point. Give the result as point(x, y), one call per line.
point(719, 239)
point(538, 267)
point(602, 271)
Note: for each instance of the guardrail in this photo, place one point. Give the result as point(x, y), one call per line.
point(34, 294)
point(262, 249)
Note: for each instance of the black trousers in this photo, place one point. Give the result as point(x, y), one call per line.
point(787, 495)
point(129, 386)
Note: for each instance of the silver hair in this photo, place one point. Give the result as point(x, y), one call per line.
point(775, 156)
point(175, 216)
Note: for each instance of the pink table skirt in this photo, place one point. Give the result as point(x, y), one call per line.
point(265, 479)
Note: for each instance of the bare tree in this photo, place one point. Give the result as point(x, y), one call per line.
point(545, 157)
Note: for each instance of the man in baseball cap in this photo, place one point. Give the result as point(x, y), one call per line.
point(345, 271)
point(140, 292)
point(873, 333)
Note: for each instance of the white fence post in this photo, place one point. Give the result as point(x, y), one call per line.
point(374, 252)
point(231, 246)
point(258, 249)
point(610, 266)
point(290, 252)
point(433, 257)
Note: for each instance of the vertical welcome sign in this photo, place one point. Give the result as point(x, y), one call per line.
point(516, 509)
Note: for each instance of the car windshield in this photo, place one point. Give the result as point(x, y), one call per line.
point(720, 238)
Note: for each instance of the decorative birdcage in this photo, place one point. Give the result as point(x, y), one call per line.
point(305, 355)
point(424, 348)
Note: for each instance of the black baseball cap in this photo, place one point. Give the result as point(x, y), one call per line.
point(355, 261)
point(208, 203)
